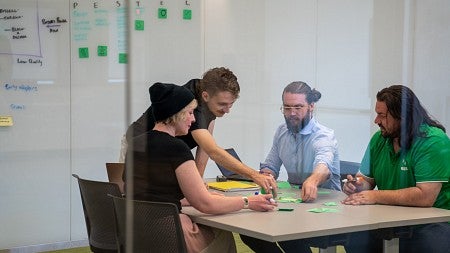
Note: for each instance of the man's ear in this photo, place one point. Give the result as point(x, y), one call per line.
point(205, 96)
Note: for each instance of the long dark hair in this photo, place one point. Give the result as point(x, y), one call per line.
point(404, 105)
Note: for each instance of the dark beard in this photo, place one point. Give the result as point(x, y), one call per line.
point(295, 127)
point(390, 135)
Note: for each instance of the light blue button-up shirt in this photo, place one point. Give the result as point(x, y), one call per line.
point(300, 153)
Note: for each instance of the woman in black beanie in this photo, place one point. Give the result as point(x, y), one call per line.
point(164, 170)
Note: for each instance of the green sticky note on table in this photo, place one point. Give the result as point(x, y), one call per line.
point(162, 13)
point(187, 14)
point(102, 50)
point(330, 204)
point(323, 192)
point(283, 185)
point(323, 210)
point(289, 200)
point(139, 25)
point(123, 58)
point(83, 52)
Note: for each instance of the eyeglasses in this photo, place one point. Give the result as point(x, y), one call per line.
point(289, 109)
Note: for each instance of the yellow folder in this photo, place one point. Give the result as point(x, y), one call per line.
point(229, 186)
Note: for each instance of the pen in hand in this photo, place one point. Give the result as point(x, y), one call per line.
point(354, 179)
point(352, 185)
point(350, 181)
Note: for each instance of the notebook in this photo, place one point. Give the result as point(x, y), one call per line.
point(230, 175)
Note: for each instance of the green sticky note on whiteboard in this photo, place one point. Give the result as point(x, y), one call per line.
point(123, 58)
point(83, 52)
point(187, 14)
point(139, 25)
point(102, 50)
point(162, 13)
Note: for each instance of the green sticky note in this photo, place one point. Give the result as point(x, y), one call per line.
point(162, 13)
point(289, 200)
point(102, 50)
point(283, 185)
point(123, 58)
point(330, 204)
point(139, 25)
point(187, 14)
point(323, 192)
point(323, 210)
point(83, 52)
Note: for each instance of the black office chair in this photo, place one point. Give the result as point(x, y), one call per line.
point(156, 226)
point(99, 213)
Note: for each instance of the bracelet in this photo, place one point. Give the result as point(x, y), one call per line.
point(245, 202)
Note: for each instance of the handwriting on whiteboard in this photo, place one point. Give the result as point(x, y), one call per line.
point(20, 87)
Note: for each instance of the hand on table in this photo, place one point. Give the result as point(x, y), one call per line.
point(360, 198)
point(309, 191)
point(262, 202)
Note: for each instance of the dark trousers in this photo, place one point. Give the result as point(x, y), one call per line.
point(433, 238)
point(297, 246)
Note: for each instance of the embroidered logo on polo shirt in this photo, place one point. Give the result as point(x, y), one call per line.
point(404, 167)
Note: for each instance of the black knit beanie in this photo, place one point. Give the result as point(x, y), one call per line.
point(168, 99)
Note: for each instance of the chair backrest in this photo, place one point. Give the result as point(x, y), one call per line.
point(156, 226)
point(115, 172)
point(348, 167)
point(99, 213)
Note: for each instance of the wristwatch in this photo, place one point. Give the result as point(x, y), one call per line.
point(245, 202)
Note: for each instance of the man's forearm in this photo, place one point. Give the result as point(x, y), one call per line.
point(201, 159)
point(320, 174)
point(412, 196)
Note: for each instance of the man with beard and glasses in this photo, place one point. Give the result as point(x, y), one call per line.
point(408, 160)
point(308, 151)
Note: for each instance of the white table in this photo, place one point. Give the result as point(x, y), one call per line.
point(281, 225)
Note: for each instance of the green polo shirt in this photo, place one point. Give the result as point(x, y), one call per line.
point(428, 160)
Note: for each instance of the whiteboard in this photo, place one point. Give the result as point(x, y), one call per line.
point(35, 150)
point(63, 78)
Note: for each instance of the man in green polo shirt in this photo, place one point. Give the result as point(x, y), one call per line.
point(408, 160)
